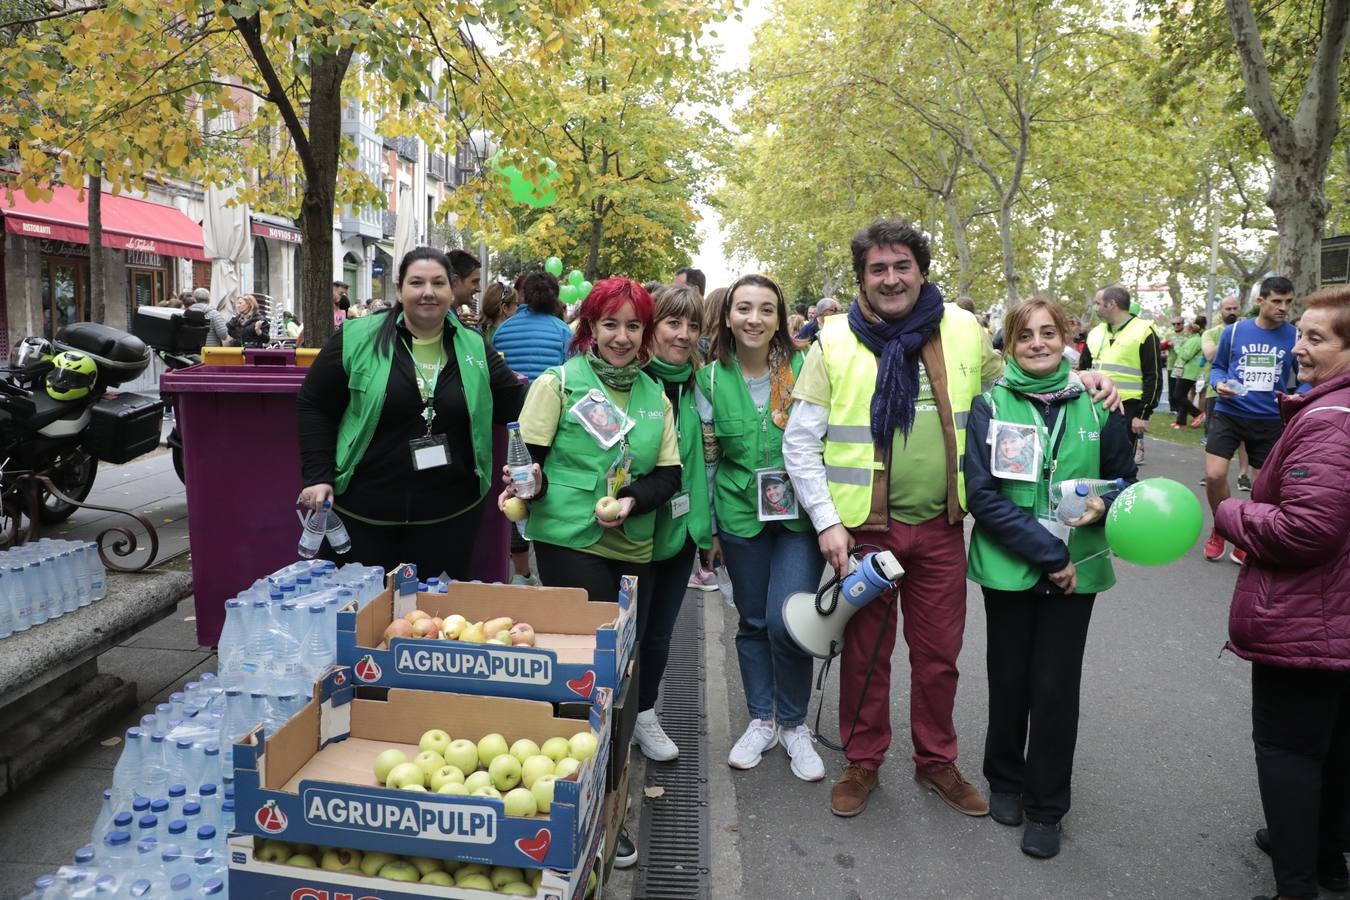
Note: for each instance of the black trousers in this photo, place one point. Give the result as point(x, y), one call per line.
point(664, 597)
point(1301, 729)
point(443, 547)
point(1133, 410)
point(598, 576)
point(1035, 662)
point(1181, 399)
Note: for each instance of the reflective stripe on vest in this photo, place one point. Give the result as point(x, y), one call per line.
point(852, 369)
point(1119, 358)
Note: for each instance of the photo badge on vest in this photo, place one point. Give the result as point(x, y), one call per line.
point(603, 421)
point(777, 499)
point(1014, 451)
point(431, 451)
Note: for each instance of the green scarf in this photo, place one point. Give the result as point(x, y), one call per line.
point(619, 378)
point(1041, 387)
point(669, 372)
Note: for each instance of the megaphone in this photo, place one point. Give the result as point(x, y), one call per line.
point(816, 622)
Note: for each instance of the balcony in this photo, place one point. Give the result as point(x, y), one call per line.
point(366, 223)
point(389, 222)
point(406, 147)
point(437, 167)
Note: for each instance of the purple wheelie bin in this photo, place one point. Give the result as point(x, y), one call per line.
point(241, 465)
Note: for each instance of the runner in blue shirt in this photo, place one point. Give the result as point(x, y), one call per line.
point(1256, 354)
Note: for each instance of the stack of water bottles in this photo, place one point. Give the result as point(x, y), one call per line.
point(45, 580)
point(162, 828)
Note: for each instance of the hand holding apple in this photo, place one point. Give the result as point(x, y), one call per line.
point(612, 513)
point(516, 509)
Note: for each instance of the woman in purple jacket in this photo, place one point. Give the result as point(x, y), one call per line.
point(1291, 612)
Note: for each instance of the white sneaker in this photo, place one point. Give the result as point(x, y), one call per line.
point(652, 740)
point(800, 746)
point(749, 750)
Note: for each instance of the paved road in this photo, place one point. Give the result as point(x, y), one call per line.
point(1165, 797)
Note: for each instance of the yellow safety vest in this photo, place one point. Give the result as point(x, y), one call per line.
point(850, 462)
point(1117, 355)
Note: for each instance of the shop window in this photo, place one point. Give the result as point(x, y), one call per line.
point(261, 268)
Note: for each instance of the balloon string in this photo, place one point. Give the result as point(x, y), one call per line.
point(1079, 562)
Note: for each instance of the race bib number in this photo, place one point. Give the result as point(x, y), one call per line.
point(1260, 371)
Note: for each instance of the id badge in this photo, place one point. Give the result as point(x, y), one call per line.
point(1057, 528)
point(429, 452)
point(1014, 451)
point(679, 505)
point(777, 501)
point(602, 420)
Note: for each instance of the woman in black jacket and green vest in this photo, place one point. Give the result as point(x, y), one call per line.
point(395, 419)
point(1034, 427)
point(769, 546)
point(682, 522)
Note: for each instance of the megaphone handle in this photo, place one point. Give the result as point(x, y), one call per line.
point(834, 598)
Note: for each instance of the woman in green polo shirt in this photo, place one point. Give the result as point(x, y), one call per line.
point(1040, 576)
point(395, 419)
point(768, 544)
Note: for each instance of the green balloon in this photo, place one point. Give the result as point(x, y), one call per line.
point(553, 266)
point(586, 289)
point(1154, 522)
point(569, 293)
point(575, 278)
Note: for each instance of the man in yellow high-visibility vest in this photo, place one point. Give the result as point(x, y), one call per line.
point(1126, 348)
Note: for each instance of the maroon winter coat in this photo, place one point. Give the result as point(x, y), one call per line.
point(1291, 604)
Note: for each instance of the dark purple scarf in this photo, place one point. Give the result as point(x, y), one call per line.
point(898, 345)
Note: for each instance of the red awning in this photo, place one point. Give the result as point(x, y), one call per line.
point(276, 232)
point(128, 224)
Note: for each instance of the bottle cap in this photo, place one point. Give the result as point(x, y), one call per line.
point(158, 806)
point(180, 882)
point(191, 809)
point(122, 820)
point(208, 789)
point(177, 826)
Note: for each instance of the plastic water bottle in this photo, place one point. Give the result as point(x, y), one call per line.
point(1096, 487)
point(69, 580)
point(20, 598)
point(1237, 386)
point(37, 594)
point(104, 818)
point(160, 810)
point(1072, 506)
point(256, 656)
point(519, 462)
point(288, 672)
point(116, 846)
point(227, 816)
point(180, 885)
point(209, 803)
point(311, 536)
point(98, 573)
point(211, 773)
point(213, 887)
point(127, 772)
point(337, 535)
point(44, 888)
point(320, 645)
point(6, 609)
point(53, 594)
point(724, 585)
point(155, 767)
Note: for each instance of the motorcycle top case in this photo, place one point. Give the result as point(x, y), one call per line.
point(171, 330)
point(123, 427)
point(313, 781)
point(580, 645)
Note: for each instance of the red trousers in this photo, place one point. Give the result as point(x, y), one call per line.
point(933, 608)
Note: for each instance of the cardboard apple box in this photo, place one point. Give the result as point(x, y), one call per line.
point(259, 880)
point(313, 782)
point(580, 645)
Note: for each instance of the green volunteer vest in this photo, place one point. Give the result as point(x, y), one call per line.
point(1117, 354)
point(749, 441)
point(1078, 456)
point(368, 382)
point(576, 466)
point(669, 534)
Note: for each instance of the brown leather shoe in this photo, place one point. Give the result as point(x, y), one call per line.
point(948, 783)
point(849, 796)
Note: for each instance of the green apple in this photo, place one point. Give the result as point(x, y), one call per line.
point(591, 882)
point(542, 789)
point(505, 772)
point(425, 864)
point(405, 774)
point(430, 761)
point(520, 802)
point(523, 749)
point(488, 791)
point(534, 766)
point(537, 878)
point(475, 780)
point(386, 761)
point(607, 509)
point(274, 851)
point(501, 875)
point(516, 889)
point(400, 870)
point(444, 775)
point(303, 860)
point(470, 869)
point(463, 755)
point(453, 788)
point(374, 861)
point(583, 745)
point(565, 767)
point(491, 746)
point(415, 787)
point(441, 879)
point(337, 859)
point(474, 882)
point(435, 741)
point(556, 748)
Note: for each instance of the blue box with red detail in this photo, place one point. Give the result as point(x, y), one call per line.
point(313, 782)
point(580, 645)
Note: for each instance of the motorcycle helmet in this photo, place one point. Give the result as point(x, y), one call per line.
point(30, 350)
point(72, 376)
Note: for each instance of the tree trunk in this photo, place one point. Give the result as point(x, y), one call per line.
point(1300, 208)
point(319, 201)
point(1010, 275)
point(598, 212)
point(961, 241)
point(1174, 286)
point(97, 289)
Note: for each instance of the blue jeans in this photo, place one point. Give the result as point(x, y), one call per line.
point(764, 570)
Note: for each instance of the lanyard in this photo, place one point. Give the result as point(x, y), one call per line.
point(1052, 441)
point(426, 387)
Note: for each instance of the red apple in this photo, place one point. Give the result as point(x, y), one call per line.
point(522, 634)
point(398, 628)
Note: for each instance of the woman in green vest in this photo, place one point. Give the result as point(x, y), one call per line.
point(395, 419)
point(682, 522)
point(1040, 575)
point(767, 542)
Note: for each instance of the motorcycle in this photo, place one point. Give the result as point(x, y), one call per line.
point(176, 337)
point(58, 420)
